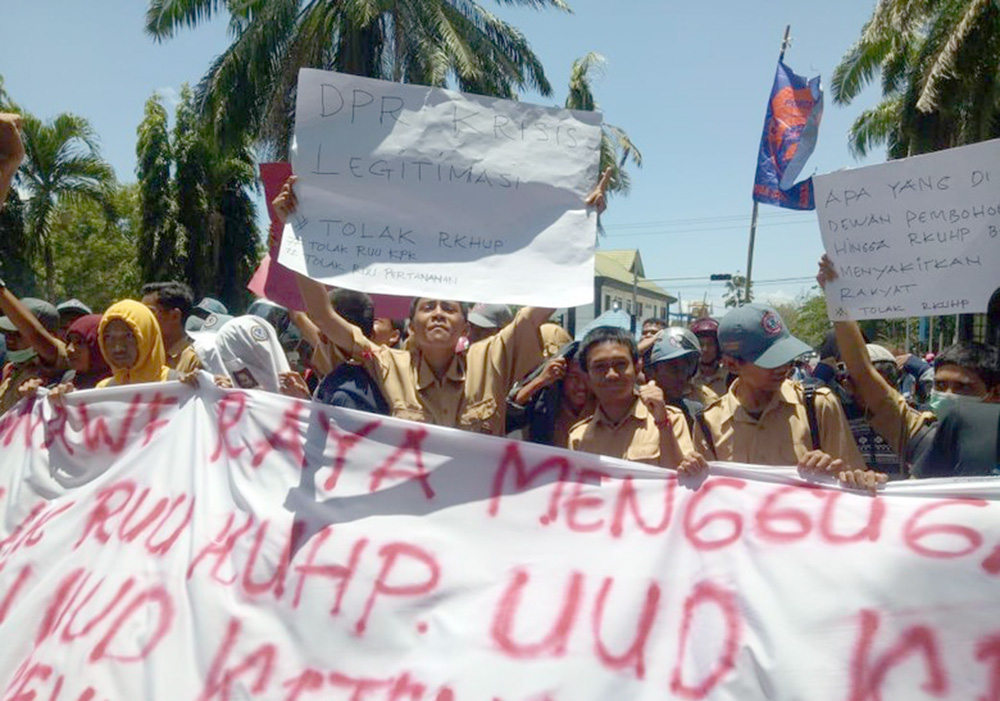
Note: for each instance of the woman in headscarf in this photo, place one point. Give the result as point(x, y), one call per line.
point(131, 343)
point(253, 358)
point(83, 348)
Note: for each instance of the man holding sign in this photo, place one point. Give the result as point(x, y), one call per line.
point(432, 383)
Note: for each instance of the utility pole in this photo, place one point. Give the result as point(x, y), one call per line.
point(753, 217)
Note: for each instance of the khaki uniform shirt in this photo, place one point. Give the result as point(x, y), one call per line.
point(716, 382)
point(554, 337)
point(16, 375)
point(896, 421)
point(701, 393)
point(636, 437)
point(182, 356)
point(472, 395)
point(780, 435)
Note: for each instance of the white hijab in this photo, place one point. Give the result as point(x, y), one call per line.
point(251, 354)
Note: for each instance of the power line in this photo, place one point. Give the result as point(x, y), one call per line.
point(803, 222)
point(709, 220)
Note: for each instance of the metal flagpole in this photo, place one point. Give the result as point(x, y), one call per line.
point(753, 217)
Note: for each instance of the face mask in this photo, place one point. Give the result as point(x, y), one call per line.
point(21, 356)
point(941, 401)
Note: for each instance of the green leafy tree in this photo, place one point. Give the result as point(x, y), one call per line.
point(96, 260)
point(810, 321)
point(938, 61)
point(616, 145)
point(15, 264)
point(198, 216)
point(250, 88)
point(159, 257)
point(62, 163)
point(736, 292)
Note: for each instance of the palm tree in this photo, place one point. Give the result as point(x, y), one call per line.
point(198, 217)
point(616, 146)
point(158, 236)
point(938, 61)
point(250, 88)
point(62, 162)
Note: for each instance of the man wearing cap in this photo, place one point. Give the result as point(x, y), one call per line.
point(171, 303)
point(29, 327)
point(671, 364)
point(765, 418)
point(486, 320)
point(208, 306)
point(70, 311)
point(711, 372)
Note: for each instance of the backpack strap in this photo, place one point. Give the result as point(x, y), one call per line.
point(809, 393)
point(699, 416)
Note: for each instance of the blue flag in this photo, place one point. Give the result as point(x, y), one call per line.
point(790, 129)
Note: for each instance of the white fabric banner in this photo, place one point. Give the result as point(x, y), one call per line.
point(410, 190)
point(159, 543)
point(915, 237)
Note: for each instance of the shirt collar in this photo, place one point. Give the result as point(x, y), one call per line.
point(639, 412)
point(426, 377)
point(786, 394)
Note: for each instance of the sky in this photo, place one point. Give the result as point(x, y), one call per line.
point(688, 81)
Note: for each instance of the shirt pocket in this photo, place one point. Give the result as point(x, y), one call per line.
point(409, 413)
point(480, 417)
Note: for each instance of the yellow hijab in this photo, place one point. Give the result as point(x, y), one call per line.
point(150, 365)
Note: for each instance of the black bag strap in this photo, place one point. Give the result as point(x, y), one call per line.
point(699, 416)
point(809, 393)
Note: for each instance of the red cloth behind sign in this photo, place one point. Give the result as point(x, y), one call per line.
point(276, 282)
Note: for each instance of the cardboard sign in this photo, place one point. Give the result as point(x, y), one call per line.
point(914, 237)
point(162, 544)
point(275, 282)
point(419, 191)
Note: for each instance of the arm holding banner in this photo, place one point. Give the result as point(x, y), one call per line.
point(49, 348)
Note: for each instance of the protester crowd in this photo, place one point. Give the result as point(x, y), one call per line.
point(732, 390)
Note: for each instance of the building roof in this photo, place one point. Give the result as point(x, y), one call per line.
point(618, 266)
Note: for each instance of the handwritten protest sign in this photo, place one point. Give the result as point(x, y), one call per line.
point(166, 545)
point(915, 237)
point(420, 191)
point(276, 282)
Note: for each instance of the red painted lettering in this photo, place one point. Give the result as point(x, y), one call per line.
point(111, 501)
point(871, 531)
point(390, 553)
point(342, 574)
point(693, 528)
point(707, 593)
point(915, 533)
point(411, 442)
point(868, 675)
point(11, 593)
point(288, 438)
point(221, 678)
point(635, 656)
point(627, 501)
point(345, 442)
point(143, 604)
point(555, 641)
point(988, 652)
point(576, 502)
point(523, 477)
point(770, 516)
point(221, 547)
point(231, 408)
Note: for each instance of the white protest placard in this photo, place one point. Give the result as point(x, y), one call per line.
point(166, 544)
point(914, 237)
point(409, 190)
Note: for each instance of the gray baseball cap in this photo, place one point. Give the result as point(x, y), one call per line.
point(674, 343)
point(756, 334)
point(490, 316)
point(209, 305)
point(74, 306)
point(43, 311)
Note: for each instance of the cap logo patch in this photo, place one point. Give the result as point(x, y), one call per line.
point(771, 323)
point(258, 333)
point(674, 342)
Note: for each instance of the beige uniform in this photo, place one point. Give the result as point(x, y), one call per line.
point(182, 356)
point(472, 395)
point(780, 435)
point(896, 421)
point(716, 382)
point(636, 437)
